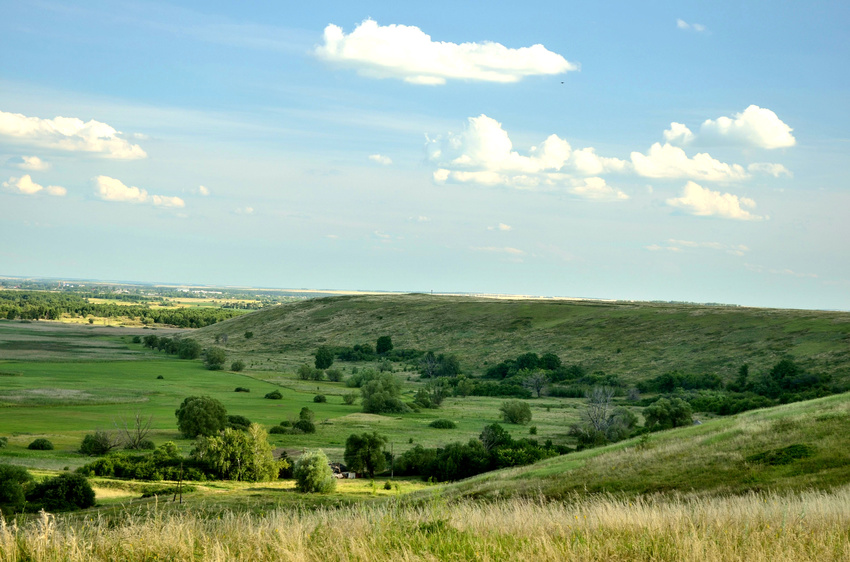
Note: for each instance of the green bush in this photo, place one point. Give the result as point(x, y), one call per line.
point(349, 398)
point(200, 415)
point(13, 481)
point(305, 425)
point(237, 365)
point(319, 398)
point(238, 422)
point(40, 444)
point(324, 357)
point(306, 414)
point(515, 411)
point(147, 445)
point(214, 358)
point(96, 444)
point(242, 389)
point(334, 375)
point(65, 492)
point(274, 395)
point(160, 377)
point(3, 442)
point(278, 430)
point(443, 424)
point(188, 349)
point(313, 474)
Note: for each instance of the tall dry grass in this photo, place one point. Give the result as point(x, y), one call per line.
point(775, 528)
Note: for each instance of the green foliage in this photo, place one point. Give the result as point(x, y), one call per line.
point(443, 424)
point(274, 395)
point(249, 335)
point(306, 373)
point(324, 357)
point(214, 358)
point(200, 415)
point(40, 444)
point(380, 395)
point(667, 413)
point(442, 365)
point(97, 443)
point(532, 430)
point(237, 366)
point(239, 455)
point(313, 474)
point(66, 492)
point(188, 349)
point(14, 480)
point(304, 426)
point(515, 411)
point(365, 453)
point(242, 389)
point(384, 344)
point(3, 442)
point(334, 375)
point(319, 398)
point(349, 398)
point(237, 422)
point(306, 414)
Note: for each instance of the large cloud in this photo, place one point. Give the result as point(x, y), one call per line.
point(405, 52)
point(700, 201)
point(668, 161)
point(69, 133)
point(755, 126)
point(111, 189)
point(483, 154)
point(25, 186)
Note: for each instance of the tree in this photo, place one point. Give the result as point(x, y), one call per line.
point(324, 357)
point(188, 349)
point(13, 482)
point(66, 492)
point(601, 421)
point(214, 358)
point(98, 443)
point(668, 413)
point(201, 415)
point(313, 474)
point(494, 436)
point(535, 381)
point(134, 432)
point(384, 344)
point(239, 455)
point(365, 453)
point(515, 411)
point(381, 395)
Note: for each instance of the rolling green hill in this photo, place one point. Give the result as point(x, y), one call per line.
point(788, 448)
point(633, 340)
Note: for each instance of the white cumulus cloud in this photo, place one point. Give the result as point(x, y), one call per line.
point(69, 133)
point(381, 159)
point(483, 154)
point(700, 201)
point(596, 188)
point(33, 163)
point(406, 52)
point(203, 190)
point(755, 126)
point(668, 161)
point(111, 189)
point(26, 186)
point(775, 170)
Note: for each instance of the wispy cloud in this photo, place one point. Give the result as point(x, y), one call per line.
point(682, 24)
point(381, 159)
point(407, 53)
point(501, 226)
point(70, 134)
point(789, 272)
point(498, 250)
point(673, 245)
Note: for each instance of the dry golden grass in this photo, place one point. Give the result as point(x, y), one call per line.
point(774, 528)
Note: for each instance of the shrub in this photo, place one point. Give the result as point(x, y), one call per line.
point(278, 430)
point(96, 444)
point(237, 365)
point(306, 414)
point(238, 422)
point(188, 349)
point(515, 411)
point(249, 335)
point(147, 445)
point(381, 395)
point(334, 375)
point(41, 444)
point(137, 339)
point(324, 357)
point(274, 395)
point(313, 474)
point(3, 442)
point(305, 426)
point(13, 480)
point(214, 358)
point(383, 345)
point(242, 389)
point(667, 414)
point(65, 492)
point(160, 377)
point(349, 398)
point(532, 430)
point(319, 398)
point(443, 424)
point(200, 415)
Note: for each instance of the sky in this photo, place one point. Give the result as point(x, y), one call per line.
point(667, 150)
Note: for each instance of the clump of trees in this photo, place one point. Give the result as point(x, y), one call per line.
point(365, 453)
point(602, 422)
point(238, 455)
point(65, 492)
point(214, 358)
point(201, 415)
point(515, 411)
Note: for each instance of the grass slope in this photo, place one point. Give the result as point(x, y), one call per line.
point(634, 340)
point(712, 459)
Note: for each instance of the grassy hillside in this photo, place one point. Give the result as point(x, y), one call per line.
point(787, 449)
point(633, 340)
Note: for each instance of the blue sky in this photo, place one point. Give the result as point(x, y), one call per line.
point(651, 151)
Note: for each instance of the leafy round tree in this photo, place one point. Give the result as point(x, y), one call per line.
point(313, 474)
point(214, 358)
point(383, 345)
point(324, 357)
point(40, 444)
point(13, 480)
point(365, 453)
point(65, 492)
point(515, 411)
point(188, 349)
point(201, 415)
